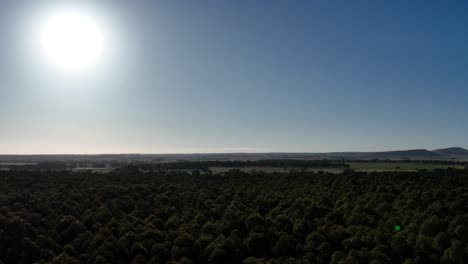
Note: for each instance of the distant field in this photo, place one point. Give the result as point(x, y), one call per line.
point(100, 170)
point(362, 166)
point(272, 169)
point(403, 166)
point(357, 166)
point(16, 163)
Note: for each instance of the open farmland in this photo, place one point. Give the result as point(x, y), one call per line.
point(397, 166)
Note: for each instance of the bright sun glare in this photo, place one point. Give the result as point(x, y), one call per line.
point(72, 39)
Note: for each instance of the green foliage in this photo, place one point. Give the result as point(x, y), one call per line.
point(130, 216)
point(430, 226)
point(285, 246)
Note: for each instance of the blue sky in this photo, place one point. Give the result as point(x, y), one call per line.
point(243, 76)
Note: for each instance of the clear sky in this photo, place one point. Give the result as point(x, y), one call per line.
point(241, 76)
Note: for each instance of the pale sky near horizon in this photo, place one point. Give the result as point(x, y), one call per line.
point(239, 76)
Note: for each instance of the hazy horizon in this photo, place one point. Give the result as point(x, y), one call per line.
point(232, 76)
point(214, 152)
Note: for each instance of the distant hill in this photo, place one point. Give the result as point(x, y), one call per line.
point(452, 151)
point(407, 154)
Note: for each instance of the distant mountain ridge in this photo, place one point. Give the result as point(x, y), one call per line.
point(456, 153)
point(453, 153)
point(410, 154)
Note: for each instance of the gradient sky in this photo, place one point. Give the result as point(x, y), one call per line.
point(242, 76)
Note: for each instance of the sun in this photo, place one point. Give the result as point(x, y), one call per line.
point(72, 40)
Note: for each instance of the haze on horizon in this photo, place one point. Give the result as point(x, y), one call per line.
point(232, 76)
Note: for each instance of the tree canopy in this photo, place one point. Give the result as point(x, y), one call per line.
point(135, 216)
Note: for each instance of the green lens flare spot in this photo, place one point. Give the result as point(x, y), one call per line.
point(397, 228)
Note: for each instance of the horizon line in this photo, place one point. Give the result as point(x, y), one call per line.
point(211, 153)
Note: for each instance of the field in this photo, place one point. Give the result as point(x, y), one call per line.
point(356, 166)
point(97, 170)
point(399, 166)
point(273, 169)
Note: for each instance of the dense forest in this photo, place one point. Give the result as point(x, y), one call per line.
point(155, 216)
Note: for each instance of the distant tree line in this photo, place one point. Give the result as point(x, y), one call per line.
point(62, 165)
point(277, 163)
point(205, 165)
point(183, 165)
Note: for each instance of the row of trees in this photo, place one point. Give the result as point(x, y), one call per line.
point(180, 165)
point(130, 216)
point(278, 163)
